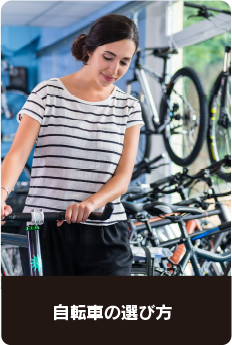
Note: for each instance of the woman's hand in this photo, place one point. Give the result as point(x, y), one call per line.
point(5, 211)
point(77, 213)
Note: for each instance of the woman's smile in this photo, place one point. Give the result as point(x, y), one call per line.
point(107, 78)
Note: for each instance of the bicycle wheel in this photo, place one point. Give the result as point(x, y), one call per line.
point(219, 131)
point(183, 111)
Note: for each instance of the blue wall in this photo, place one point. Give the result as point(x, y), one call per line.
point(19, 45)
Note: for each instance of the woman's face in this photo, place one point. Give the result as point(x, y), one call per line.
point(108, 63)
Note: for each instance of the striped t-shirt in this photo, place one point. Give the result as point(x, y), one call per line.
point(78, 147)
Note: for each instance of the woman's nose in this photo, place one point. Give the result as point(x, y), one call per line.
point(114, 68)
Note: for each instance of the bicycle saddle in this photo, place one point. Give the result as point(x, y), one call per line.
point(163, 52)
point(157, 208)
point(132, 207)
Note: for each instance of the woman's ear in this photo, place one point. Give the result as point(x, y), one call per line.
point(89, 55)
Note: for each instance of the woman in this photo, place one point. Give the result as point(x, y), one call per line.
point(87, 132)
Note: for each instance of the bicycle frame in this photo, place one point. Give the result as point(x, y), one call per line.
point(192, 253)
point(139, 75)
point(223, 120)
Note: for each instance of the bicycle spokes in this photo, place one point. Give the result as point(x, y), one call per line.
point(183, 127)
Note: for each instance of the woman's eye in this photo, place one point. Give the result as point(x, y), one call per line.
point(123, 63)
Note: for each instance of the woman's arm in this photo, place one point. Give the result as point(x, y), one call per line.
point(118, 184)
point(115, 187)
point(15, 160)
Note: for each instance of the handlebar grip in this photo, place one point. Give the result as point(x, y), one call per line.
point(136, 196)
point(227, 161)
point(187, 202)
point(106, 214)
point(226, 225)
point(161, 181)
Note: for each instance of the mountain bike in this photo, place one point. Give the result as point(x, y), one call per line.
point(219, 107)
point(183, 117)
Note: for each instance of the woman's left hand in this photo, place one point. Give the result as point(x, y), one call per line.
point(77, 213)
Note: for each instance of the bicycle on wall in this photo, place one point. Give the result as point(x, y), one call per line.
point(183, 117)
point(219, 106)
point(219, 132)
point(12, 100)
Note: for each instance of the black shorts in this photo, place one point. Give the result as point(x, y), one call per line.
point(82, 250)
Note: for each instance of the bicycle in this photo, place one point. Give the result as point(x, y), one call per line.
point(219, 106)
point(183, 116)
point(180, 181)
point(34, 220)
point(219, 132)
point(192, 254)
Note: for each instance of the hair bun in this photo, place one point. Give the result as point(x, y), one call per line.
point(77, 47)
point(107, 29)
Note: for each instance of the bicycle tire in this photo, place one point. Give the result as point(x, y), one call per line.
point(213, 128)
point(186, 117)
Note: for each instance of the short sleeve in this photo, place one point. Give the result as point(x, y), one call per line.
point(135, 117)
point(34, 106)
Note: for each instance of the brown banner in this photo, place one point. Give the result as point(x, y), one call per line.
point(69, 310)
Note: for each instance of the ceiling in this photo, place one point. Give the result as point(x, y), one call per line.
point(48, 13)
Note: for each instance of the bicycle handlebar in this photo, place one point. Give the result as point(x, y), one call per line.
point(162, 181)
point(201, 7)
point(106, 214)
point(180, 177)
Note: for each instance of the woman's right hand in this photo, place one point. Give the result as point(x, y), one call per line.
point(5, 211)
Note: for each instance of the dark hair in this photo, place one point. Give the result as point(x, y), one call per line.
point(107, 29)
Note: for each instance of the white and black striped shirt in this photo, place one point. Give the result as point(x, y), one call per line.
point(78, 147)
